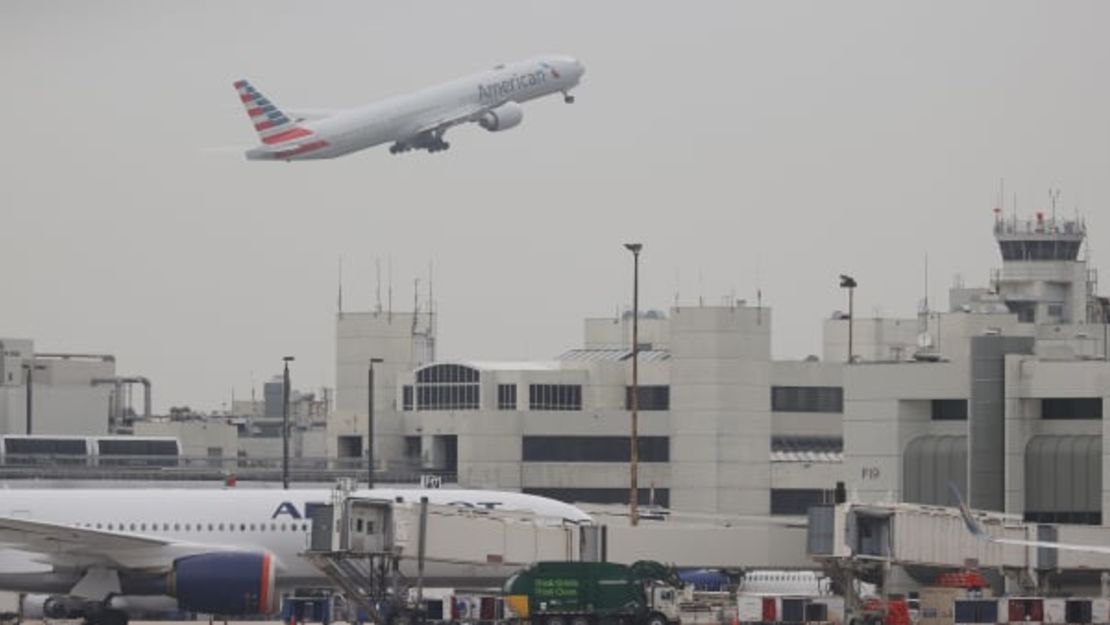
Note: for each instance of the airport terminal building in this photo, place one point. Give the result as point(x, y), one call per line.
point(1003, 394)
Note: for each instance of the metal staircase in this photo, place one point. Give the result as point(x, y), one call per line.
point(370, 580)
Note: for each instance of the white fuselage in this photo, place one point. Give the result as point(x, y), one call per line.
point(399, 119)
point(246, 519)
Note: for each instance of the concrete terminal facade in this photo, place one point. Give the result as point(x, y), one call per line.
point(561, 428)
point(1003, 393)
point(71, 394)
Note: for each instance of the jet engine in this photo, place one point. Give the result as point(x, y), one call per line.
point(53, 607)
point(225, 583)
point(503, 117)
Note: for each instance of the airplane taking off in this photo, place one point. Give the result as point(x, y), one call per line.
point(415, 121)
point(98, 554)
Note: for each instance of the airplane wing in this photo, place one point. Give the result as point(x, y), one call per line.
point(978, 531)
point(63, 544)
point(453, 118)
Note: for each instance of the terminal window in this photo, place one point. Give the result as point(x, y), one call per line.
point(652, 397)
point(798, 501)
point(412, 447)
point(1080, 517)
point(807, 399)
point(506, 396)
point(447, 387)
point(554, 397)
point(949, 410)
point(593, 449)
point(1072, 408)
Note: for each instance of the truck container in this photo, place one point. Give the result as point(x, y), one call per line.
point(793, 610)
point(1055, 611)
point(1100, 610)
point(936, 605)
point(1024, 610)
point(973, 611)
point(749, 609)
point(586, 593)
point(1079, 611)
point(816, 613)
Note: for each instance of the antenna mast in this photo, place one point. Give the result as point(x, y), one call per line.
point(677, 285)
point(415, 303)
point(926, 283)
point(758, 295)
point(378, 287)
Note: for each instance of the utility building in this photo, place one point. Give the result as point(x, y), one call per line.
point(66, 393)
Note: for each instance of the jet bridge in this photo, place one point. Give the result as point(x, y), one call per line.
point(381, 553)
point(856, 540)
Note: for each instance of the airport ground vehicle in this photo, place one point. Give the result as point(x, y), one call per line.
point(589, 593)
point(789, 609)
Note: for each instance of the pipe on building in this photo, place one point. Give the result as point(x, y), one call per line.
point(117, 383)
point(65, 356)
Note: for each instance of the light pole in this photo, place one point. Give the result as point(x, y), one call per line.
point(634, 464)
point(848, 282)
point(1105, 301)
point(30, 377)
point(285, 424)
point(370, 423)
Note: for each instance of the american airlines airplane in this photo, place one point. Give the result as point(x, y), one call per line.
point(415, 121)
point(99, 554)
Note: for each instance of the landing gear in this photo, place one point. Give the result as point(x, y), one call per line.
point(568, 98)
point(433, 143)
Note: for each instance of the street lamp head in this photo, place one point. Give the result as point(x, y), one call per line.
point(375, 361)
point(847, 282)
point(288, 358)
point(634, 247)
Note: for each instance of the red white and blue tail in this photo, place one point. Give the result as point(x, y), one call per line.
point(272, 124)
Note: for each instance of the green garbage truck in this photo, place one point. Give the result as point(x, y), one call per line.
point(595, 593)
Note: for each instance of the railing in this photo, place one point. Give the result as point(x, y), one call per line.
point(209, 468)
point(1045, 225)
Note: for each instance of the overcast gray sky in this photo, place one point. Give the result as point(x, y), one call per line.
point(747, 145)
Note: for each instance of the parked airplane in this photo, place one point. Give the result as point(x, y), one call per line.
point(99, 553)
point(415, 121)
point(978, 531)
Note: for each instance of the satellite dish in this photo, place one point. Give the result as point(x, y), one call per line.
point(924, 340)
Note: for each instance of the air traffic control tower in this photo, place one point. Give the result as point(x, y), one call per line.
point(1043, 280)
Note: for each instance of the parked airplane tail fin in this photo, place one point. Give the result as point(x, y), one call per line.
point(972, 524)
point(272, 124)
